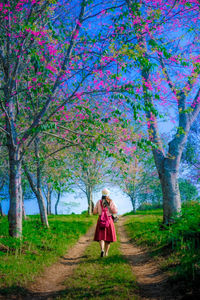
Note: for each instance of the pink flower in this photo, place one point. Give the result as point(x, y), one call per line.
point(78, 95)
point(78, 23)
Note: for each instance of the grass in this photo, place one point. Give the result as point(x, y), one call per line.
point(177, 247)
point(39, 247)
point(145, 212)
point(101, 278)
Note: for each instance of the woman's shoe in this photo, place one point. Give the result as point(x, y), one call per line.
point(102, 253)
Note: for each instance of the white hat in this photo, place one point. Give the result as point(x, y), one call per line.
point(105, 192)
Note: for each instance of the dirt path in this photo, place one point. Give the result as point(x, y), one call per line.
point(153, 284)
point(54, 276)
point(50, 284)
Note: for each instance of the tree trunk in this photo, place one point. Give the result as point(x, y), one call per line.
point(90, 200)
point(170, 190)
point(57, 202)
point(49, 192)
point(41, 202)
point(23, 209)
point(1, 210)
point(133, 202)
point(15, 190)
point(39, 196)
point(42, 208)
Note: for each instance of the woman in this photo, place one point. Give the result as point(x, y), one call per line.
point(105, 235)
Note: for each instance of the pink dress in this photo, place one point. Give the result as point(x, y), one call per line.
point(105, 234)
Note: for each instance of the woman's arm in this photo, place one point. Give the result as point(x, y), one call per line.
point(113, 208)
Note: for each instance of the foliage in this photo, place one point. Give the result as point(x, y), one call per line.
point(188, 190)
point(191, 154)
point(148, 206)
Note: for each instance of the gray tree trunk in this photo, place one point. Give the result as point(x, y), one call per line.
point(23, 209)
point(57, 202)
point(15, 166)
point(133, 202)
point(1, 186)
point(90, 200)
point(1, 210)
point(39, 196)
point(42, 208)
point(36, 188)
point(15, 189)
point(49, 193)
point(41, 202)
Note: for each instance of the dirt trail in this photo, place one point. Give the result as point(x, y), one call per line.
point(53, 277)
point(153, 284)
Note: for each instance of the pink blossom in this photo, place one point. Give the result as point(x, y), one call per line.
point(51, 68)
point(78, 23)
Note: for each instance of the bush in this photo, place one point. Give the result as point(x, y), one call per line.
point(149, 206)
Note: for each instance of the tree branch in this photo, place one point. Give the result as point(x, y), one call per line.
point(56, 84)
point(56, 136)
point(166, 74)
point(4, 131)
point(60, 149)
point(195, 106)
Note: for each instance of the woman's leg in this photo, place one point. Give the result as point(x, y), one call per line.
point(102, 245)
point(107, 246)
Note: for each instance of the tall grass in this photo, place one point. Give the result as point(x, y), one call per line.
point(22, 260)
point(177, 245)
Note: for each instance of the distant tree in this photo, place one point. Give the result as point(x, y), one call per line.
point(191, 154)
point(90, 168)
point(188, 190)
point(126, 175)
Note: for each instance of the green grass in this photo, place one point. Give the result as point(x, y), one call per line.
point(177, 247)
point(145, 212)
point(39, 247)
point(101, 278)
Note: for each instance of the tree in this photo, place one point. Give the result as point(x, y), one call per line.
point(89, 170)
point(188, 190)
point(136, 175)
point(148, 23)
point(41, 73)
point(191, 154)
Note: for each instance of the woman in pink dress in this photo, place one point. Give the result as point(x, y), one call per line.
point(105, 235)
